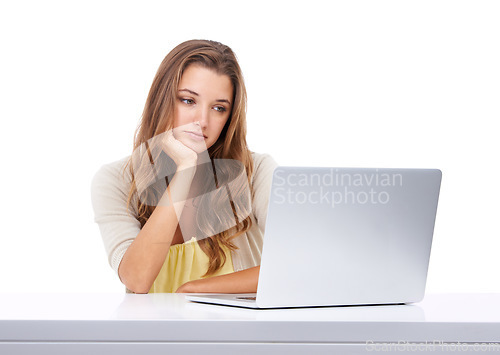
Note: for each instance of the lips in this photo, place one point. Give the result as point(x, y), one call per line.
point(196, 134)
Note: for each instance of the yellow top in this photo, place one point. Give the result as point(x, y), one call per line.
point(186, 262)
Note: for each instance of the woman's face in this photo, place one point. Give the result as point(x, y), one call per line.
point(202, 108)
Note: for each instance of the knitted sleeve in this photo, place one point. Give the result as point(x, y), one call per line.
point(262, 178)
point(117, 224)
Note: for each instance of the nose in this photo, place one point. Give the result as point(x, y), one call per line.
point(203, 118)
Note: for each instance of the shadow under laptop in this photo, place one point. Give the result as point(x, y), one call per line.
point(375, 313)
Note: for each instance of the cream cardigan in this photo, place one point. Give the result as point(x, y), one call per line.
point(119, 226)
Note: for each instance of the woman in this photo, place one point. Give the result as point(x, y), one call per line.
point(157, 208)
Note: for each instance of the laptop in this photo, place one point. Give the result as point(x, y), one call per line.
point(343, 237)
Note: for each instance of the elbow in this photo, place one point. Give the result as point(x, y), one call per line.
point(137, 287)
point(140, 292)
point(134, 283)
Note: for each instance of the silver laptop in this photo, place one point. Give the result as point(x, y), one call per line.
point(343, 236)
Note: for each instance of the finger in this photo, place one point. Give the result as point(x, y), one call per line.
point(169, 137)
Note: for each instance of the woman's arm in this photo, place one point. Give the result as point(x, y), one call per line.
point(244, 281)
point(144, 258)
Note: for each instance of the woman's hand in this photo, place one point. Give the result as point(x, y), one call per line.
point(188, 287)
point(182, 155)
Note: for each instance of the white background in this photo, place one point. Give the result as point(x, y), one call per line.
point(351, 83)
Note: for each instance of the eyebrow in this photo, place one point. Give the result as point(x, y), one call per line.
point(196, 94)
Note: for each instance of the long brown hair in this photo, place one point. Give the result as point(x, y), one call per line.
point(158, 117)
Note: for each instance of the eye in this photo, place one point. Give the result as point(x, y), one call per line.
point(220, 108)
point(187, 101)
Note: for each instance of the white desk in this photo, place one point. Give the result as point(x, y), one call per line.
point(167, 323)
